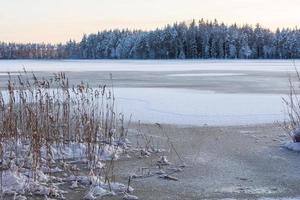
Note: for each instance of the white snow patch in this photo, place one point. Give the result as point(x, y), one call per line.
point(206, 74)
point(293, 146)
point(263, 198)
point(151, 105)
point(98, 188)
point(250, 190)
point(7, 74)
point(130, 197)
point(20, 179)
point(79, 151)
point(74, 185)
point(247, 132)
point(283, 198)
point(14, 182)
point(163, 161)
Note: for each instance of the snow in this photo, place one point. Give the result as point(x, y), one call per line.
point(151, 105)
point(99, 191)
point(21, 179)
point(147, 65)
point(163, 161)
point(206, 74)
point(197, 107)
point(74, 185)
point(249, 190)
point(11, 74)
point(98, 188)
point(73, 151)
point(19, 197)
point(282, 198)
point(89, 196)
point(15, 182)
point(51, 170)
point(130, 197)
point(293, 146)
point(194, 107)
point(263, 198)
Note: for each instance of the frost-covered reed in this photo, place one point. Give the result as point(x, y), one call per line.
point(45, 122)
point(292, 105)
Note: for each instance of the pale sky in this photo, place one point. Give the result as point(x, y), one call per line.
point(59, 20)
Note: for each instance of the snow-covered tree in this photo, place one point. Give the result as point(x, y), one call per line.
point(202, 39)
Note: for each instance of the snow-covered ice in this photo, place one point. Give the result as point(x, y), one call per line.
point(263, 198)
point(293, 146)
point(20, 179)
point(147, 65)
point(79, 150)
point(282, 198)
point(206, 74)
point(194, 107)
point(177, 105)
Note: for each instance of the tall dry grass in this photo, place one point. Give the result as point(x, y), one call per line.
point(292, 108)
point(45, 113)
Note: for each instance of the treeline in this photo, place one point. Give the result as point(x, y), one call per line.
point(201, 39)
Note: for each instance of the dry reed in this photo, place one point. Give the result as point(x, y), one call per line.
point(45, 114)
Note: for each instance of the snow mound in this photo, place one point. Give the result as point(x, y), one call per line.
point(79, 151)
point(293, 146)
point(98, 188)
point(130, 197)
point(163, 161)
point(13, 182)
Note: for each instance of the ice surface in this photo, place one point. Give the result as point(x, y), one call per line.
point(147, 65)
point(206, 74)
point(177, 105)
point(293, 146)
point(282, 198)
point(194, 107)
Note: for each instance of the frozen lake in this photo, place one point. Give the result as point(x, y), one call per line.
point(147, 65)
point(191, 92)
point(192, 107)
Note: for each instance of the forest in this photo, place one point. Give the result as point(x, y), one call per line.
point(196, 40)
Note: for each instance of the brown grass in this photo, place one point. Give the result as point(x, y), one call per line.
point(292, 107)
point(44, 113)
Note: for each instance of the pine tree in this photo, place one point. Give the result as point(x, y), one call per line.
point(204, 40)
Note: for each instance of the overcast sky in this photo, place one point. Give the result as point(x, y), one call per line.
point(59, 20)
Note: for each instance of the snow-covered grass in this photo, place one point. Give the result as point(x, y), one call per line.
point(46, 131)
point(53, 134)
